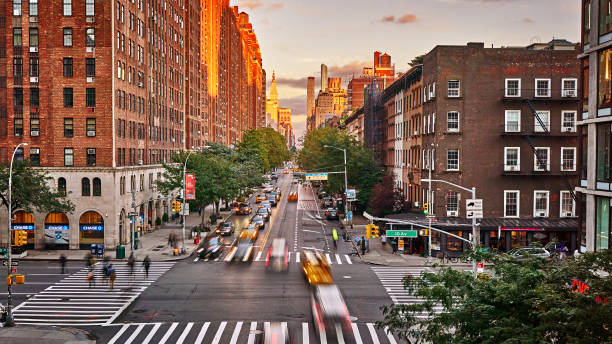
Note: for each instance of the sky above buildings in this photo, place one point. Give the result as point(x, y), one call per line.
point(296, 36)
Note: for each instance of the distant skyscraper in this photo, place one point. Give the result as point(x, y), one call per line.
point(310, 102)
point(323, 77)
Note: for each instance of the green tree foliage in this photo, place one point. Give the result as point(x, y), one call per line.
point(32, 190)
point(268, 144)
point(386, 198)
point(417, 60)
point(361, 166)
point(538, 301)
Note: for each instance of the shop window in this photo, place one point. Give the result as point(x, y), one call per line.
point(605, 81)
point(604, 138)
point(61, 185)
point(436, 240)
point(97, 187)
point(605, 16)
point(85, 187)
point(602, 227)
point(454, 244)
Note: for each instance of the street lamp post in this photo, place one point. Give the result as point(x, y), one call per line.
point(345, 176)
point(185, 196)
point(9, 304)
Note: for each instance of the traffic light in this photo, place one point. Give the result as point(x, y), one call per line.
point(176, 206)
point(425, 208)
point(368, 231)
point(375, 232)
point(424, 232)
point(21, 238)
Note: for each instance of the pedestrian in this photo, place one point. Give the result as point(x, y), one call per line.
point(383, 240)
point(91, 278)
point(90, 261)
point(394, 245)
point(335, 236)
point(171, 239)
point(111, 276)
point(130, 263)
point(147, 264)
point(62, 260)
point(363, 246)
point(200, 211)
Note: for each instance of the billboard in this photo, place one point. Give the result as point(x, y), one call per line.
point(316, 176)
point(190, 186)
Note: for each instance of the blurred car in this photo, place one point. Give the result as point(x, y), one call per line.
point(316, 268)
point(329, 311)
point(272, 199)
point(327, 202)
point(321, 194)
point(265, 213)
point(278, 255)
point(524, 253)
point(276, 193)
point(251, 231)
point(331, 214)
point(274, 177)
point(243, 209)
point(242, 251)
point(265, 204)
point(211, 248)
point(225, 228)
point(285, 172)
point(293, 197)
point(276, 333)
point(258, 221)
point(259, 198)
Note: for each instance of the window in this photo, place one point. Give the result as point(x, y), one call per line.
point(68, 127)
point(17, 37)
point(97, 187)
point(91, 127)
point(454, 88)
point(33, 8)
point(452, 203)
point(540, 203)
point(89, 9)
point(511, 203)
point(90, 97)
point(68, 66)
point(35, 156)
point(569, 87)
point(68, 101)
point(545, 118)
point(541, 159)
point(605, 79)
point(90, 67)
point(18, 126)
point(568, 121)
point(513, 88)
point(512, 121)
point(34, 66)
point(19, 154)
point(452, 160)
point(568, 208)
point(34, 126)
point(18, 100)
point(17, 67)
point(34, 98)
point(16, 7)
point(452, 121)
point(91, 156)
point(61, 185)
point(67, 7)
point(68, 155)
point(33, 37)
point(512, 158)
point(542, 87)
point(90, 37)
point(85, 187)
point(605, 17)
point(568, 159)
point(67, 37)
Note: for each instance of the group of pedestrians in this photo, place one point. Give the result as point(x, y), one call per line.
point(108, 272)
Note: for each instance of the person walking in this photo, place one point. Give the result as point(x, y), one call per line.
point(91, 278)
point(111, 276)
point(335, 236)
point(147, 264)
point(62, 261)
point(363, 246)
point(171, 239)
point(130, 263)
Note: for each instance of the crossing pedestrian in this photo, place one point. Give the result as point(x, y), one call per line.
point(335, 236)
point(147, 264)
point(130, 263)
point(62, 260)
point(111, 276)
point(91, 278)
point(90, 261)
point(363, 246)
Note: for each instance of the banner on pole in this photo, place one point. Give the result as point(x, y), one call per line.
point(190, 186)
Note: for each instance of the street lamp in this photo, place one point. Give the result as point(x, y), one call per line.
point(345, 178)
point(185, 195)
point(9, 304)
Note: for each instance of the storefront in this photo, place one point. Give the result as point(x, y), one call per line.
point(24, 222)
point(505, 239)
point(91, 230)
point(57, 231)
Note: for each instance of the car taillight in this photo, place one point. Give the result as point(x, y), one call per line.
point(286, 256)
point(268, 257)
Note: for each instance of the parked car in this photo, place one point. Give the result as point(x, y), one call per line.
point(524, 253)
point(331, 214)
point(243, 209)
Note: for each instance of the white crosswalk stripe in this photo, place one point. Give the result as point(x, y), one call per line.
point(238, 332)
point(294, 257)
point(73, 302)
point(392, 278)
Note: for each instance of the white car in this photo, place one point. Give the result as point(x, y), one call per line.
point(529, 252)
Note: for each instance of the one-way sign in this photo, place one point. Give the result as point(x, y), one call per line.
point(13, 262)
point(473, 208)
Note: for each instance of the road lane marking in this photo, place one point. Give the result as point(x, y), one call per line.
point(373, 333)
point(219, 333)
point(258, 256)
point(297, 257)
point(251, 339)
point(356, 333)
point(304, 333)
point(185, 333)
point(338, 259)
point(202, 333)
point(236, 333)
point(168, 333)
point(328, 258)
point(114, 339)
point(135, 334)
point(348, 259)
point(390, 335)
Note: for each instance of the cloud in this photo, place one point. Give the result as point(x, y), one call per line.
point(388, 19)
point(250, 4)
point(296, 104)
point(527, 21)
point(296, 83)
point(276, 6)
point(406, 18)
point(345, 71)
point(348, 69)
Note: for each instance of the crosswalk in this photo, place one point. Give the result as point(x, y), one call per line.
point(392, 278)
point(73, 302)
point(239, 332)
point(294, 257)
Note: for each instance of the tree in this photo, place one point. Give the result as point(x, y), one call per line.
point(31, 190)
point(538, 301)
point(417, 60)
point(268, 144)
point(386, 198)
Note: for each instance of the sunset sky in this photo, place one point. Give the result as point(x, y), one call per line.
point(296, 36)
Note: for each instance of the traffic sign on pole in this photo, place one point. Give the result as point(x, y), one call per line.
point(402, 234)
point(473, 208)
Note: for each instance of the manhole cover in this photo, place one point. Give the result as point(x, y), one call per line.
point(139, 311)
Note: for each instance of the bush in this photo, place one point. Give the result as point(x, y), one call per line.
point(165, 217)
point(158, 221)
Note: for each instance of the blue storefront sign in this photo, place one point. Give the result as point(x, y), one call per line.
point(23, 227)
point(57, 233)
point(92, 227)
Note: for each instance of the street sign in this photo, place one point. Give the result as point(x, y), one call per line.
point(349, 216)
point(402, 234)
point(351, 194)
point(316, 176)
point(133, 214)
point(13, 262)
point(479, 267)
point(186, 209)
point(475, 214)
point(473, 204)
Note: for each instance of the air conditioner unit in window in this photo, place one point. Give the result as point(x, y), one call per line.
point(90, 79)
point(33, 19)
point(452, 213)
point(33, 49)
point(568, 214)
point(512, 168)
point(569, 130)
point(139, 162)
point(34, 133)
point(91, 133)
point(569, 93)
point(91, 151)
point(90, 49)
point(34, 79)
point(90, 19)
point(541, 214)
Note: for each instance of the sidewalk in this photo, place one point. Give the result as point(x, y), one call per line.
point(154, 244)
point(45, 335)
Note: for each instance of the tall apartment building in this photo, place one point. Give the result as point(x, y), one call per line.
point(196, 128)
point(595, 188)
point(330, 102)
point(502, 120)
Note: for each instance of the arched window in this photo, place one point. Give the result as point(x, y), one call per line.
point(85, 187)
point(133, 183)
point(97, 187)
point(122, 185)
point(61, 185)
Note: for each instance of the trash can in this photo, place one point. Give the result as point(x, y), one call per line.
point(93, 248)
point(120, 252)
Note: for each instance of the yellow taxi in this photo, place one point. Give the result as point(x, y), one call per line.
point(293, 197)
point(286, 172)
point(250, 232)
point(260, 197)
point(316, 268)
